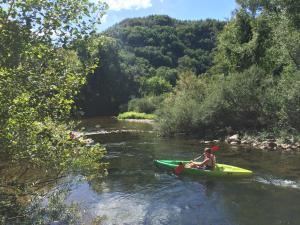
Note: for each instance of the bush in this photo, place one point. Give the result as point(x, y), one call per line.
point(245, 99)
point(178, 111)
point(154, 86)
point(289, 100)
point(147, 104)
point(207, 105)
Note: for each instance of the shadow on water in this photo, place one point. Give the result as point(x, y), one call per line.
point(136, 192)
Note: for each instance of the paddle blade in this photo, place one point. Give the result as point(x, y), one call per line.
point(215, 148)
point(178, 169)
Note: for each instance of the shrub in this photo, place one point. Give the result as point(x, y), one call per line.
point(289, 100)
point(147, 104)
point(177, 113)
point(154, 86)
point(207, 105)
point(245, 99)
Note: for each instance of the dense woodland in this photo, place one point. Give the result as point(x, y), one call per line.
point(199, 77)
point(143, 56)
point(202, 77)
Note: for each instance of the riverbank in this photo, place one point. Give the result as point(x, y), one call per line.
point(263, 142)
point(140, 120)
point(272, 143)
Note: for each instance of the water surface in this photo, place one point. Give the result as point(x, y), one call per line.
point(136, 192)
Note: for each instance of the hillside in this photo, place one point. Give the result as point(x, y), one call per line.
point(143, 56)
point(163, 41)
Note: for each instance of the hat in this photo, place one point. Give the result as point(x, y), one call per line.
point(207, 150)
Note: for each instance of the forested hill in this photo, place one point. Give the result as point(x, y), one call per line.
point(163, 41)
point(143, 56)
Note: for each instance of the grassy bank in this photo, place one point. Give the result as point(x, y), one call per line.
point(136, 115)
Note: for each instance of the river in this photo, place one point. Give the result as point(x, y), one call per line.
point(136, 192)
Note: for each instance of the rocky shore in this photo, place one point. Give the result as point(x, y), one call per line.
point(140, 120)
point(269, 144)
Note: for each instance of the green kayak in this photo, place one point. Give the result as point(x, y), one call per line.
point(221, 170)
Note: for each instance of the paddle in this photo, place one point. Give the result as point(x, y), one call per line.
point(178, 169)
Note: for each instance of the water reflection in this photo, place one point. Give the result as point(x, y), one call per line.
point(164, 199)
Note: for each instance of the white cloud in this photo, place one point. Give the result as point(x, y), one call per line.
point(104, 18)
point(118, 5)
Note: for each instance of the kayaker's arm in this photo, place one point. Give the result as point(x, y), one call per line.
point(197, 164)
point(203, 163)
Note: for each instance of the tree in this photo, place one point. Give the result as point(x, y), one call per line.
point(58, 21)
point(243, 43)
point(154, 86)
point(254, 82)
point(38, 83)
point(109, 86)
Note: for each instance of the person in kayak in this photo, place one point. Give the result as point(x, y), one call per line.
point(208, 163)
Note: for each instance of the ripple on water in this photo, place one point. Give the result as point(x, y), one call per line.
point(169, 200)
point(119, 131)
point(172, 202)
point(279, 182)
point(120, 208)
point(136, 193)
point(115, 144)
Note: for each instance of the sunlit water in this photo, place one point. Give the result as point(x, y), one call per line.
point(136, 192)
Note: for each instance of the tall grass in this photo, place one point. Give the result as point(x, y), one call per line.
point(136, 115)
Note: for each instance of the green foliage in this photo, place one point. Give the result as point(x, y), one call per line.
point(168, 74)
point(56, 210)
point(38, 83)
point(244, 95)
point(179, 108)
point(147, 104)
point(154, 86)
point(289, 100)
point(243, 43)
point(108, 87)
point(136, 115)
point(38, 213)
point(142, 56)
point(163, 43)
point(59, 21)
point(254, 83)
point(242, 101)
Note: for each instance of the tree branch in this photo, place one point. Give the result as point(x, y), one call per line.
point(9, 11)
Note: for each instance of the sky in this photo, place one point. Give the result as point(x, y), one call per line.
point(179, 9)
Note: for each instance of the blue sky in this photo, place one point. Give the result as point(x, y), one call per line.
point(179, 9)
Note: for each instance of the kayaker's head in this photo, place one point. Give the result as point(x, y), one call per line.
point(207, 151)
